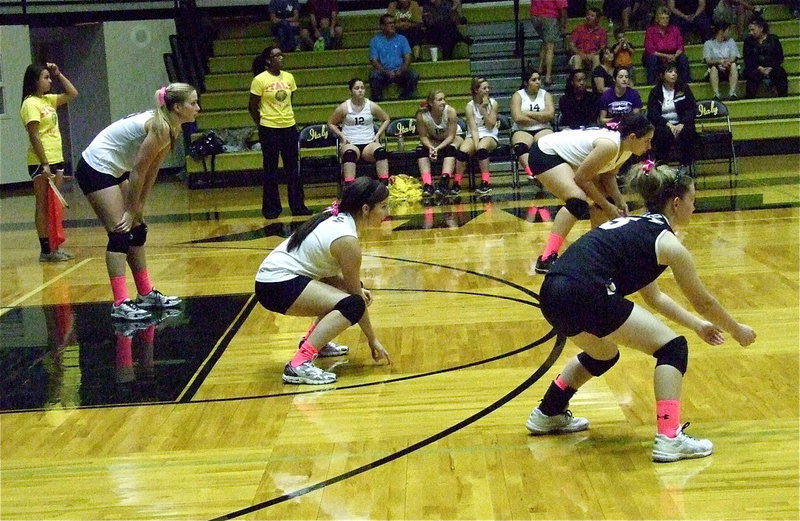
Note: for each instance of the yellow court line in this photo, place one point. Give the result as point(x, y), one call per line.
point(26, 296)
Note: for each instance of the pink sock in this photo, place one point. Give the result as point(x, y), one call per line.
point(148, 334)
point(485, 176)
point(426, 178)
point(120, 289)
point(349, 179)
point(124, 355)
point(529, 171)
point(457, 178)
point(383, 176)
point(304, 354)
point(554, 242)
point(143, 284)
point(668, 415)
point(560, 383)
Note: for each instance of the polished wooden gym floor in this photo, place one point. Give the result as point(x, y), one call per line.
point(189, 419)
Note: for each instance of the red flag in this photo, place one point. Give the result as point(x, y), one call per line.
point(55, 216)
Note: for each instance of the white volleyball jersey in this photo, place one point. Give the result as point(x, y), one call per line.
point(114, 149)
point(536, 104)
point(482, 130)
point(436, 131)
point(358, 127)
point(313, 257)
point(573, 146)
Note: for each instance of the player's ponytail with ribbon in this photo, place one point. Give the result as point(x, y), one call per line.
point(364, 190)
point(166, 98)
point(657, 185)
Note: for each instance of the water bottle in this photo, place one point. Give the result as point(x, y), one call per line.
point(400, 143)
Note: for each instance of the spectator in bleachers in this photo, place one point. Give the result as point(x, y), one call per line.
point(691, 15)
point(619, 11)
point(623, 52)
point(285, 18)
point(720, 54)
point(270, 107)
point(482, 133)
point(532, 111)
point(671, 108)
point(736, 13)
point(763, 56)
point(603, 74)
point(441, 20)
point(353, 122)
point(586, 40)
point(390, 57)
point(578, 105)
point(324, 20)
point(663, 43)
point(549, 20)
point(408, 22)
point(437, 127)
point(619, 99)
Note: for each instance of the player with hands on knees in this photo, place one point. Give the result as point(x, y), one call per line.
point(585, 297)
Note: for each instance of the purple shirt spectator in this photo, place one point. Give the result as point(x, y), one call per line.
point(615, 106)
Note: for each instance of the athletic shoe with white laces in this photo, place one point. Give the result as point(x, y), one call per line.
point(329, 349)
point(682, 446)
point(56, 256)
point(129, 310)
point(307, 373)
point(540, 423)
point(543, 265)
point(156, 299)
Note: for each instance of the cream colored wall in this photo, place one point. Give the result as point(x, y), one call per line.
point(15, 53)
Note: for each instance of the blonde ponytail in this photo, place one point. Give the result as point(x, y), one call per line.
point(657, 185)
point(166, 98)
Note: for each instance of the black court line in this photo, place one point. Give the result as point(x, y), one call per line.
point(554, 354)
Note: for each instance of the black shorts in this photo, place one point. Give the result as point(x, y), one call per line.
point(90, 180)
point(34, 170)
point(531, 133)
point(540, 162)
point(573, 307)
point(279, 296)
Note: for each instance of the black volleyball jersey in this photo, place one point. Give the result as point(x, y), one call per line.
point(619, 254)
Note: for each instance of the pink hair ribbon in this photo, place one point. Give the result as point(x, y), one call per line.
point(647, 166)
point(333, 208)
point(162, 96)
point(613, 125)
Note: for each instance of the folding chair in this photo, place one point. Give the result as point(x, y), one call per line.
point(715, 141)
point(321, 164)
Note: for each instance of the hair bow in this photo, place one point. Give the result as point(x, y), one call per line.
point(333, 208)
point(162, 96)
point(647, 166)
point(612, 125)
point(423, 105)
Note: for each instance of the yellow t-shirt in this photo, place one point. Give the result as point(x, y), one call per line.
point(43, 110)
point(276, 98)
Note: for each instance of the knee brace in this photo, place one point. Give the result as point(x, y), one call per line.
point(577, 207)
point(448, 151)
point(674, 353)
point(421, 152)
point(520, 149)
point(594, 366)
point(482, 153)
point(349, 156)
point(380, 154)
point(352, 308)
point(462, 156)
point(118, 242)
point(138, 235)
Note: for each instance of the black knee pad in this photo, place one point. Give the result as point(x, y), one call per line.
point(118, 242)
point(138, 235)
point(421, 152)
point(349, 156)
point(577, 207)
point(674, 353)
point(594, 366)
point(462, 156)
point(352, 308)
point(448, 151)
point(520, 149)
point(482, 153)
point(380, 154)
